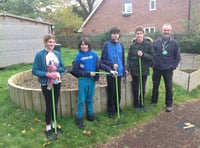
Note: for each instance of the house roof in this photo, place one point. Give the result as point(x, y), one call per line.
point(23, 18)
point(91, 14)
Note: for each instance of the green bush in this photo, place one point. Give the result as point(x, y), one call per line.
point(189, 43)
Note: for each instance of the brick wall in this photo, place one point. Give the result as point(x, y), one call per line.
point(110, 14)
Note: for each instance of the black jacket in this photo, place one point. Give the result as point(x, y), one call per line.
point(77, 72)
point(146, 60)
point(167, 61)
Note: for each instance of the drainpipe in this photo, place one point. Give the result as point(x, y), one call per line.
point(189, 15)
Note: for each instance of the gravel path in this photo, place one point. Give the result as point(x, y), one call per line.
point(177, 129)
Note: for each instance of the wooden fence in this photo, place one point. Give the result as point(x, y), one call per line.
point(97, 41)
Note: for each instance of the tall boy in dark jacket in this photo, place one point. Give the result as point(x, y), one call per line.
point(113, 56)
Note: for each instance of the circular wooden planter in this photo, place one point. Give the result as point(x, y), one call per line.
point(32, 99)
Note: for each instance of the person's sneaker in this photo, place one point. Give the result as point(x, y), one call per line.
point(153, 104)
point(111, 115)
point(92, 118)
point(168, 109)
point(59, 131)
point(138, 107)
point(141, 108)
point(79, 123)
point(50, 134)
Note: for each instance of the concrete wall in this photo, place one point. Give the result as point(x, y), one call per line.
point(20, 39)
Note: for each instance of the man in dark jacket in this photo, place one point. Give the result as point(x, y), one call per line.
point(141, 49)
point(167, 58)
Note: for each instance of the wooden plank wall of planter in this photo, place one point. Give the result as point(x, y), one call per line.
point(196, 62)
point(32, 99)
point(189, 61)
point(187, 75)
point(188, 79)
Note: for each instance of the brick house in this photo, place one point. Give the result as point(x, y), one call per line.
point(20, 38)
point(128, 14)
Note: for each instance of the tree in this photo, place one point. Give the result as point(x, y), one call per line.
point(27, 8)
point(192, 25)
point(65, 22)
point(84, 8)
point(58, 12)
point(190, 43)
point(195, 21)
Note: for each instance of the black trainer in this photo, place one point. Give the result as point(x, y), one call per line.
point(92, 118)
point(141, 108)
point(153, 104)
point(79, 123)
point(111, 115)
point(50, 134)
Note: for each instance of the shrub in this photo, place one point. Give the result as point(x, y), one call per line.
point(190, 43)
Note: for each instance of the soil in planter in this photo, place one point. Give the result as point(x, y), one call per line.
point(68, 82)
point(188, 70)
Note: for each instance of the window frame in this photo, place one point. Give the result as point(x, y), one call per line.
point(149, 29)
point(127, 7)
point(152, 5)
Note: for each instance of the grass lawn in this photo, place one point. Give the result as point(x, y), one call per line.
point(24, 128)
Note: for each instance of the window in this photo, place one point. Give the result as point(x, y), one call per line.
point(152, 5)
point(127, 7)
point(149, 29)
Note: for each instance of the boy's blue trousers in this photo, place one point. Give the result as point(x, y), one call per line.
point(86, 89)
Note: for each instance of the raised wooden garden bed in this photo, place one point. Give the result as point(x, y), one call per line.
point(188, 79)
point(32, 99)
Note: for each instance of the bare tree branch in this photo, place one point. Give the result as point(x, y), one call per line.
point(87, 5)
point(81, 3)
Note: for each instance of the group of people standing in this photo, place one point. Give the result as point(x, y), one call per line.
point(163, 55)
